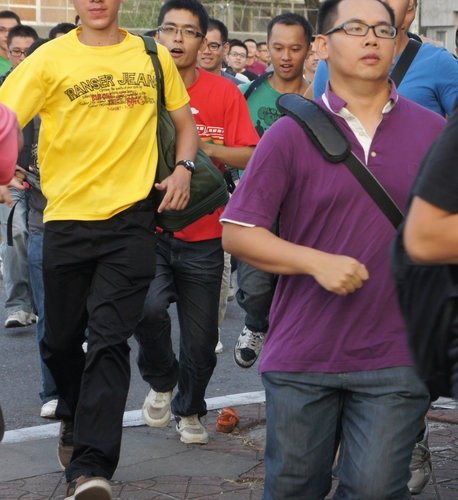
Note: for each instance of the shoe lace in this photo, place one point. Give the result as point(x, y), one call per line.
point(191, 421)
point(420, 456)
point(251, 340)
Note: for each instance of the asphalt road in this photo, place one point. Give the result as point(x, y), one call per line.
point(20, 376)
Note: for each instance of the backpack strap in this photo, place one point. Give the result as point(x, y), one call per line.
point(256, 83)
point(404, 61)
point(334, 146)
point(151, 50)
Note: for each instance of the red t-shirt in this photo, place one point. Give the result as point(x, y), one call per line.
point(222, 117)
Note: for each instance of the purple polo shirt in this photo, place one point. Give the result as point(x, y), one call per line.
point(322, 206)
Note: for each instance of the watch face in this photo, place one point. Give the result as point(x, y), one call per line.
point(188, 164)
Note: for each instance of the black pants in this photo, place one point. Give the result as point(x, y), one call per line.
point(190, 275)
point(96, 275)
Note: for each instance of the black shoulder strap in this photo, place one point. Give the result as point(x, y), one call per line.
point(151, 49)
point(256, 83)
point(404, 61)
point(334, 146)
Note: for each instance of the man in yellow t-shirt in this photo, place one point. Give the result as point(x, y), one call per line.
point(95, 91)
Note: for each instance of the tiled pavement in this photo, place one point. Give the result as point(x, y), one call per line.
point(155, 465)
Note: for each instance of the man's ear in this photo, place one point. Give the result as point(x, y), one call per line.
point(226, 48)
point(321, 46)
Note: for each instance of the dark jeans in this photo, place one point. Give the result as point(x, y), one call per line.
point(255, 292)
point(254, 295)
point(190, 275)
point(96, 275)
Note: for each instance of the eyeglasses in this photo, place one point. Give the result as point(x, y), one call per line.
point(214, 46)
point(185, 32)
point(358, 28)
point(241, 55)
point(18, 52)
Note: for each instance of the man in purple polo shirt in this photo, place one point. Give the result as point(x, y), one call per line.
point(336, 364)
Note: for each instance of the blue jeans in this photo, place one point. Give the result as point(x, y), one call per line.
point(15, 268)
point(375, 415)
point(35, 258)
point(190, 275)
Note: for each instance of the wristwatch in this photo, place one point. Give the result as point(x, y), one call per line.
point(187, 164)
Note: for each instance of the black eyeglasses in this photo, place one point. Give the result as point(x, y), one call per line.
point(240, 55)
point(18, 52)
point(214, 46)
point(358, 28)
point(185, 32)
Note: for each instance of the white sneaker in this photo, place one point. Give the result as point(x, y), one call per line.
point(48, 410)
point(33, 318)
point(156, 408)
point(19, 318)
point(248, 347)
point(219, 346)
point(191, 430)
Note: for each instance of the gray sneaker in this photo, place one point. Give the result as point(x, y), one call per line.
point(156, 408)
point(20, 318)
point(420, 465)
point(248, 347)
point(191, 430)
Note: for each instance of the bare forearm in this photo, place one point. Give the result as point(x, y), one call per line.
point(187, 139)
point(233, 156)
point(261, 248)
point(431, 234)
point(338, 274)
point(187, 142)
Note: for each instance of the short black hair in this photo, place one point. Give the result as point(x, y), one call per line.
point(193, 6)
point(291, 19)
point(260, 44)
point(327, 14)
point(216, 24)
point(23, 31)
point(9, 14)
point(235, 42)
point(60, 28)
point(250, 40)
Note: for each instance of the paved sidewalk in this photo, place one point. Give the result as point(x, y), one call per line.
point(156, 465)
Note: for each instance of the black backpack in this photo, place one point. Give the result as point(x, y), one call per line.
point(428, 297)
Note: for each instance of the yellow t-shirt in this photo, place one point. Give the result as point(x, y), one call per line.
point(97, 147)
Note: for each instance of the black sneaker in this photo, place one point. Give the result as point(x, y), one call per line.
point(65, 445)
point(248, 347)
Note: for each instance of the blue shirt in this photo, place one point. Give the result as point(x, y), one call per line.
point(431, 80)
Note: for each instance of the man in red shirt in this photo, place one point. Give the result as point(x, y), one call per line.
point(189, 263)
